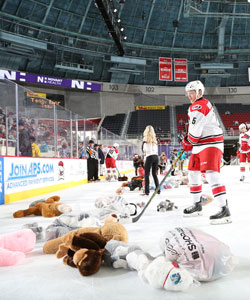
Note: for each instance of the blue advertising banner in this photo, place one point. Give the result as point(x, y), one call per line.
point(1, 180)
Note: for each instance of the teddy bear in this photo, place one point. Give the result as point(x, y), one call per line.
point(135, 182)
point(84, 252)
point(110, 230)
point(14, 245)
point(48, 208)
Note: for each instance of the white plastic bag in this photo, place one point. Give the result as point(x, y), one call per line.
point(198, 252)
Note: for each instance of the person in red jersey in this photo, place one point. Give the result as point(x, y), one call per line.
point(205, 140)
point(244, 140)
point(110, 160)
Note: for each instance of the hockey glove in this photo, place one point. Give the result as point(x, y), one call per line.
point(187, 146)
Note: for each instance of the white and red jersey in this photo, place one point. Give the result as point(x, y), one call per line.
point(245, 142)
point(204, 129)
point(240, 137)
point(112, 153)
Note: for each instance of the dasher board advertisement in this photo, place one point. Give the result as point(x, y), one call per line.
point(27, 177)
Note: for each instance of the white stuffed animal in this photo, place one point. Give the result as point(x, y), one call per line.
point(160, 272)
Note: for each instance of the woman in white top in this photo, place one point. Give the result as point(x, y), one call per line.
point(150, 151)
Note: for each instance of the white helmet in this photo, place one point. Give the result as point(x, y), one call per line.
point(242, 125)
point(195, 86)
point(116, 145)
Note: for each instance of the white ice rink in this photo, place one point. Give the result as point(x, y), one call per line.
point(45, 277)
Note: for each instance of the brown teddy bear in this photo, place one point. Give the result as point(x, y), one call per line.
point(111, 230)
point(48, 208)
point(84, 252)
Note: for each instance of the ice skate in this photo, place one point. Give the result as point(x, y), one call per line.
point(222, 217)
point(194, 210)
point(115, 178)
point(108, 178)
point(242, 178)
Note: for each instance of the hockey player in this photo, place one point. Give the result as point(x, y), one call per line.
point(205, 139)
point(244, 141)
point(111, 157)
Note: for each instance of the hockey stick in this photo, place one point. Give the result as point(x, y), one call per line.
point(119, 174)
point(135, 219)
point(121, 178)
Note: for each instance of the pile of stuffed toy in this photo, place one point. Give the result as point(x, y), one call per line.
point(188, 256)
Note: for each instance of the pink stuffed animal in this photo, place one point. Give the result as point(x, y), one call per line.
point(14, 245)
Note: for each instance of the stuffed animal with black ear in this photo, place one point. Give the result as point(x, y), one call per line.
point(133, 184)
point(122, 178)
point(84, 252)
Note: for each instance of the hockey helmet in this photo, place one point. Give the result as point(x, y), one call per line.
point(116, 145)
point(195, 86)
point(242, 125)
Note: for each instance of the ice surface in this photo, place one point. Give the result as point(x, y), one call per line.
point(45, 277)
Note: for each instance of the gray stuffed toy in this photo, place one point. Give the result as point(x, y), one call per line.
point(166, 205)
point(38, 230)
point(116, 252)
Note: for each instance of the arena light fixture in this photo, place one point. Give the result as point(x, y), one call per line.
point(108, 12)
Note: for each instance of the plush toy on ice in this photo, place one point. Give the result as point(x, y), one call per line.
point(116, 253)
point(84, 248)
point(134, 183)
point(117, 205)
point(13, 246)
point(47, 208)
point(189, 256)
point(83, 251)
point(110, 230)
point(67, 222)
point(158, 272)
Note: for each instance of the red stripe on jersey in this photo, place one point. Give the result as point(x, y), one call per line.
point(207, 140)
point(219, 189)
point(193, 140)
point(195, 188)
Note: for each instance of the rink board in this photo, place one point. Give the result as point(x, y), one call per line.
point(26, 177)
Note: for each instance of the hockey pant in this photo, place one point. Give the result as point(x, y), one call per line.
point(243, 158)
point(214, 180)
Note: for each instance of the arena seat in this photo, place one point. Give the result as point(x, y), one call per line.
point(181, 116)
point(114, 123)
point(159, 119)
point(233, 114)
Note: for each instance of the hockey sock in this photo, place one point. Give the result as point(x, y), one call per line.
point(218, 189)
point(195, 185)
point(242, 168)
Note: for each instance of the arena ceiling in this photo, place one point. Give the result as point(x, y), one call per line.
point(70, 38)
